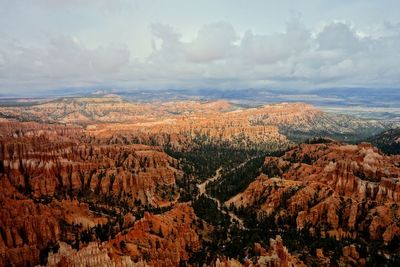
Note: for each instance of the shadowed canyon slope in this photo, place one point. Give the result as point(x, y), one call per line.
point(387, 141)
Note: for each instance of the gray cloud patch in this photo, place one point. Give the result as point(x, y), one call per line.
point(217, 56)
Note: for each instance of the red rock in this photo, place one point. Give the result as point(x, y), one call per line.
point(161, 240)
point(341, 191)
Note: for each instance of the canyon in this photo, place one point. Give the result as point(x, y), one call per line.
point(101, 181)
point(330, 190)
point(179, 123)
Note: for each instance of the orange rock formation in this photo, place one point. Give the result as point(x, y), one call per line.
point(339, 190)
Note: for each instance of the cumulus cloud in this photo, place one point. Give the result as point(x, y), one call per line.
point(269, 49)
point(339, 36)
point(170, 49)
point(63, 61)
point(218, 56)
point(213, 42)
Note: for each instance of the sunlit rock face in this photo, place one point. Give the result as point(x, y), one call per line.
point(94, 254)
point(180, 123)
point(276, 255)
point(269, 127)
point(66, 162)
point(52, 174)
point(155, 240)
point(334, 189)
point(161, 240)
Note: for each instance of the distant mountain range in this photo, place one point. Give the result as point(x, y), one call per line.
point(379, 103)
point(219, 120)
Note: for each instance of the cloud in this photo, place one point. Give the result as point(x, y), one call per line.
point(104, 5)
point(218, 56)
point(339, 36)
point(64, 61)
point(213, 42)
point(66, 56)
point(170, 49)
point(269, 49)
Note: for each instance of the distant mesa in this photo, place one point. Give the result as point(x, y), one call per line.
point(276, 123)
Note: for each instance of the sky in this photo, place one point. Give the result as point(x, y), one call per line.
point(213, 44)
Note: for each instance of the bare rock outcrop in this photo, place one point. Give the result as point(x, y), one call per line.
point(55, 182)
point(341, 191)
point(64, 163)
point(92, 255)
point(161, 240)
